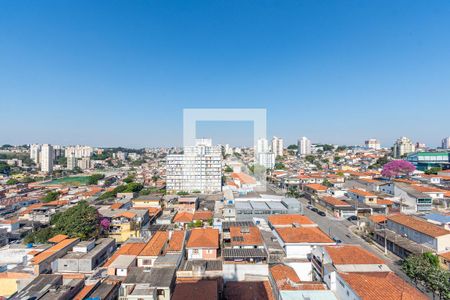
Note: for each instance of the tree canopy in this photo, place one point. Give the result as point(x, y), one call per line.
point(397, 167)
point(50, 196)
point(79, 221)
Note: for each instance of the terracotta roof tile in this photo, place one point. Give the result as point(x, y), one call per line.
point(183, 217)
point(317, 187)
point(126, 249)
point(352, 255)
point(204, 238)
point(58, 238)
point(419, 225)
point(381, 286)
point(203, 215)
point(290, 219)
point(156, 244)
point(52, 250)
point(176, 241)
point(334, 201)
point(362, 193)
point(240, 236)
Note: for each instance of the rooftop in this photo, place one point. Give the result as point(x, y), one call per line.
point(351, 255)
point(204, 238)
point(290, 219)
point(245, 236)
point(303, 235)
point(156, 244)
point(419, 225)
point(381, 286)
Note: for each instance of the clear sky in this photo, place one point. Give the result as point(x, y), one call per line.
point(110, 73)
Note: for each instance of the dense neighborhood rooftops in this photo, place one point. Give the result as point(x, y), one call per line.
point(286, 278)
point(317, 187)
point(419, 225)
point(183, 217)
point(126, 249)
point(362, 193)
point(53, 249)
point(176, 241)
point(58, 238)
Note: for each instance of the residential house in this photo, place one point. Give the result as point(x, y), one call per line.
point(203, 243)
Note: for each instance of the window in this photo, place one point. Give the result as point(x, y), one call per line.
point(194, 251)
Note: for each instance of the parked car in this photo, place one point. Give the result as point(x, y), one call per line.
point(353, 218)
point(314, 209)
point(321, 213)
point(309, 206)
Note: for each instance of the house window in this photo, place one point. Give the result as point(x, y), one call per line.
point(195, 251)
point(147, 262)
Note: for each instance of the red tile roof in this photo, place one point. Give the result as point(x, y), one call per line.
point(126, 249)
point(183, 217)
point(58, 238)
point(199, 289)
point(334, 201)
point(156, 244)
point(243, 178)
point(352, 255)
point(203, 215)
point(52, 250)
point(381, 286)
point(176, 241)
point(317, 187)
point(419, 225)
point(204, 238)
point(290, 219)
point(362, 193)
point(250, 238)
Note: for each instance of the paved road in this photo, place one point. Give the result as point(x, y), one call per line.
point(340, 229)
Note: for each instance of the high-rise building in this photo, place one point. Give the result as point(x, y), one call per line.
point(71, 162)
point(262, 146)
point(446, 143)
point(84, 163)
point(199, 168)
point(372, 144)
point(78, 151)
point(264, 156)
point(47, 158)
point(304, 146)
point(277, 146)
point(35, 153)
point(403, 146)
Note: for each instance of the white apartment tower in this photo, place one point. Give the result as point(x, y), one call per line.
point(71, 162)
point(372, 144)
point(198, 169)
point(264, 156)
point(277, 146)
point(35, 153)
point(446, 143)
point(304, 146)
point(47, 158)
point(78, 151)
point(403, 146)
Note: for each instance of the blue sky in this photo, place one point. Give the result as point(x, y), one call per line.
point(112, 73)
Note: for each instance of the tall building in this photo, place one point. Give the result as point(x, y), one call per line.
point(304, 146)
point(262, 146)
point(277, 146)
point(372, 144)
point(403, 146)
point(78, 151)
point(84, 163)
point(446, 143)
point(264, 156)
point(47, 158)
point(35, 153)
point(199, 168)
point(71, 162)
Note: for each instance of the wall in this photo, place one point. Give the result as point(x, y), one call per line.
point(238, 272)
point(303, 270)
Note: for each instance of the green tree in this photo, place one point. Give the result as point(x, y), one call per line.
point(433, 170)
point(50, 196)
point(292, 147)
point(228, 169)
point(279, 166)
point(129, 179)
point(12, 181)
point(310, 158)
point(133, 187)
point(41, 236)
point(80, 221)
point(4, 168)
point(94, 178)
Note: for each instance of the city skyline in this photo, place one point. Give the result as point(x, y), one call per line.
point(336, 74)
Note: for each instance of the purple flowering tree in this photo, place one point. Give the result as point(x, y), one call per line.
point(397, 168)
point(104, 223)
